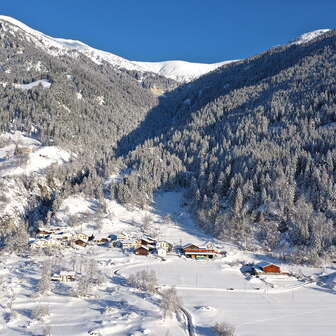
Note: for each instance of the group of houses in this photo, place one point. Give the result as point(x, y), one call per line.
point(58, 237)
point(144, 245)
point(147, 245)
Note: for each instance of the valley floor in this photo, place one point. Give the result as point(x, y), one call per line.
point(212, 291)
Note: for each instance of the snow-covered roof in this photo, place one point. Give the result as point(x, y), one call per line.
point(188, 245)
point(201, 252)
point(263, 264)
point(65, 273)
point(144, 247)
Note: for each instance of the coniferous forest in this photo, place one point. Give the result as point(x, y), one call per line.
point(252, 143)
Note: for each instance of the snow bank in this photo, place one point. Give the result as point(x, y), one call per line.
point(43, 82)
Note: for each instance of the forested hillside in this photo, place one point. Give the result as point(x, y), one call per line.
point(252, 143)
point(255, 143)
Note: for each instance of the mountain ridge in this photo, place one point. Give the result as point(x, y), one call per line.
point(178, 70)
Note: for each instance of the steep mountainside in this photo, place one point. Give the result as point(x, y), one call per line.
point(79, 103)
point(252, 142)
point(255, 143)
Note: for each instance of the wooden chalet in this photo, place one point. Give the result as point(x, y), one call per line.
point(142, 250)
point(146, 242)
point(195, 252)
point(266, 268)
point(80, 242)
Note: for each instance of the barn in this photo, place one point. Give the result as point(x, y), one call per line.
point(268, 268)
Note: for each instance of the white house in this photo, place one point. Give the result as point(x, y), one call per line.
point(42, 243)
point(161, 252)
point(81, 236)
point(164, 245)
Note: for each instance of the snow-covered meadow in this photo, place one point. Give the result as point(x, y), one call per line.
point(211, 291)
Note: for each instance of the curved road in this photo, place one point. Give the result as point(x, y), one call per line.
point(190, 325)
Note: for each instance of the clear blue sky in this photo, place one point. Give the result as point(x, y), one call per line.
point(192, 30)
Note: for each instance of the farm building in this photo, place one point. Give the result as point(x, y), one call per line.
point(195, 252)
point(267, 268)
point(142, 250)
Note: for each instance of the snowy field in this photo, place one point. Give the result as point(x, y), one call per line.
point(32, 157)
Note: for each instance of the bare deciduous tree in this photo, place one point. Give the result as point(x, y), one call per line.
point(44, 283)
point(224, 329)
point(170, 302)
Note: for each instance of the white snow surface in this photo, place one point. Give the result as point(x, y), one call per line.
point(35, 159)
point(211, 290)
point(178, 70)
point(305, 38)
point(45, 84)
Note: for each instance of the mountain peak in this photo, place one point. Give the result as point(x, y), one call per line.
point(305, 38)
point(180, 71)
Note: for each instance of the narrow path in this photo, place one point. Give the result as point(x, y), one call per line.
point(190, 325)
point(187, 315)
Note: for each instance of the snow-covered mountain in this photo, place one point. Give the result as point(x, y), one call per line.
point(180, 71)
point(305, 38)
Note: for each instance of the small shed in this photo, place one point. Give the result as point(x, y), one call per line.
point(142, 250)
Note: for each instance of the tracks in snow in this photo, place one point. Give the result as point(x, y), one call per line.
point(190, 325)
